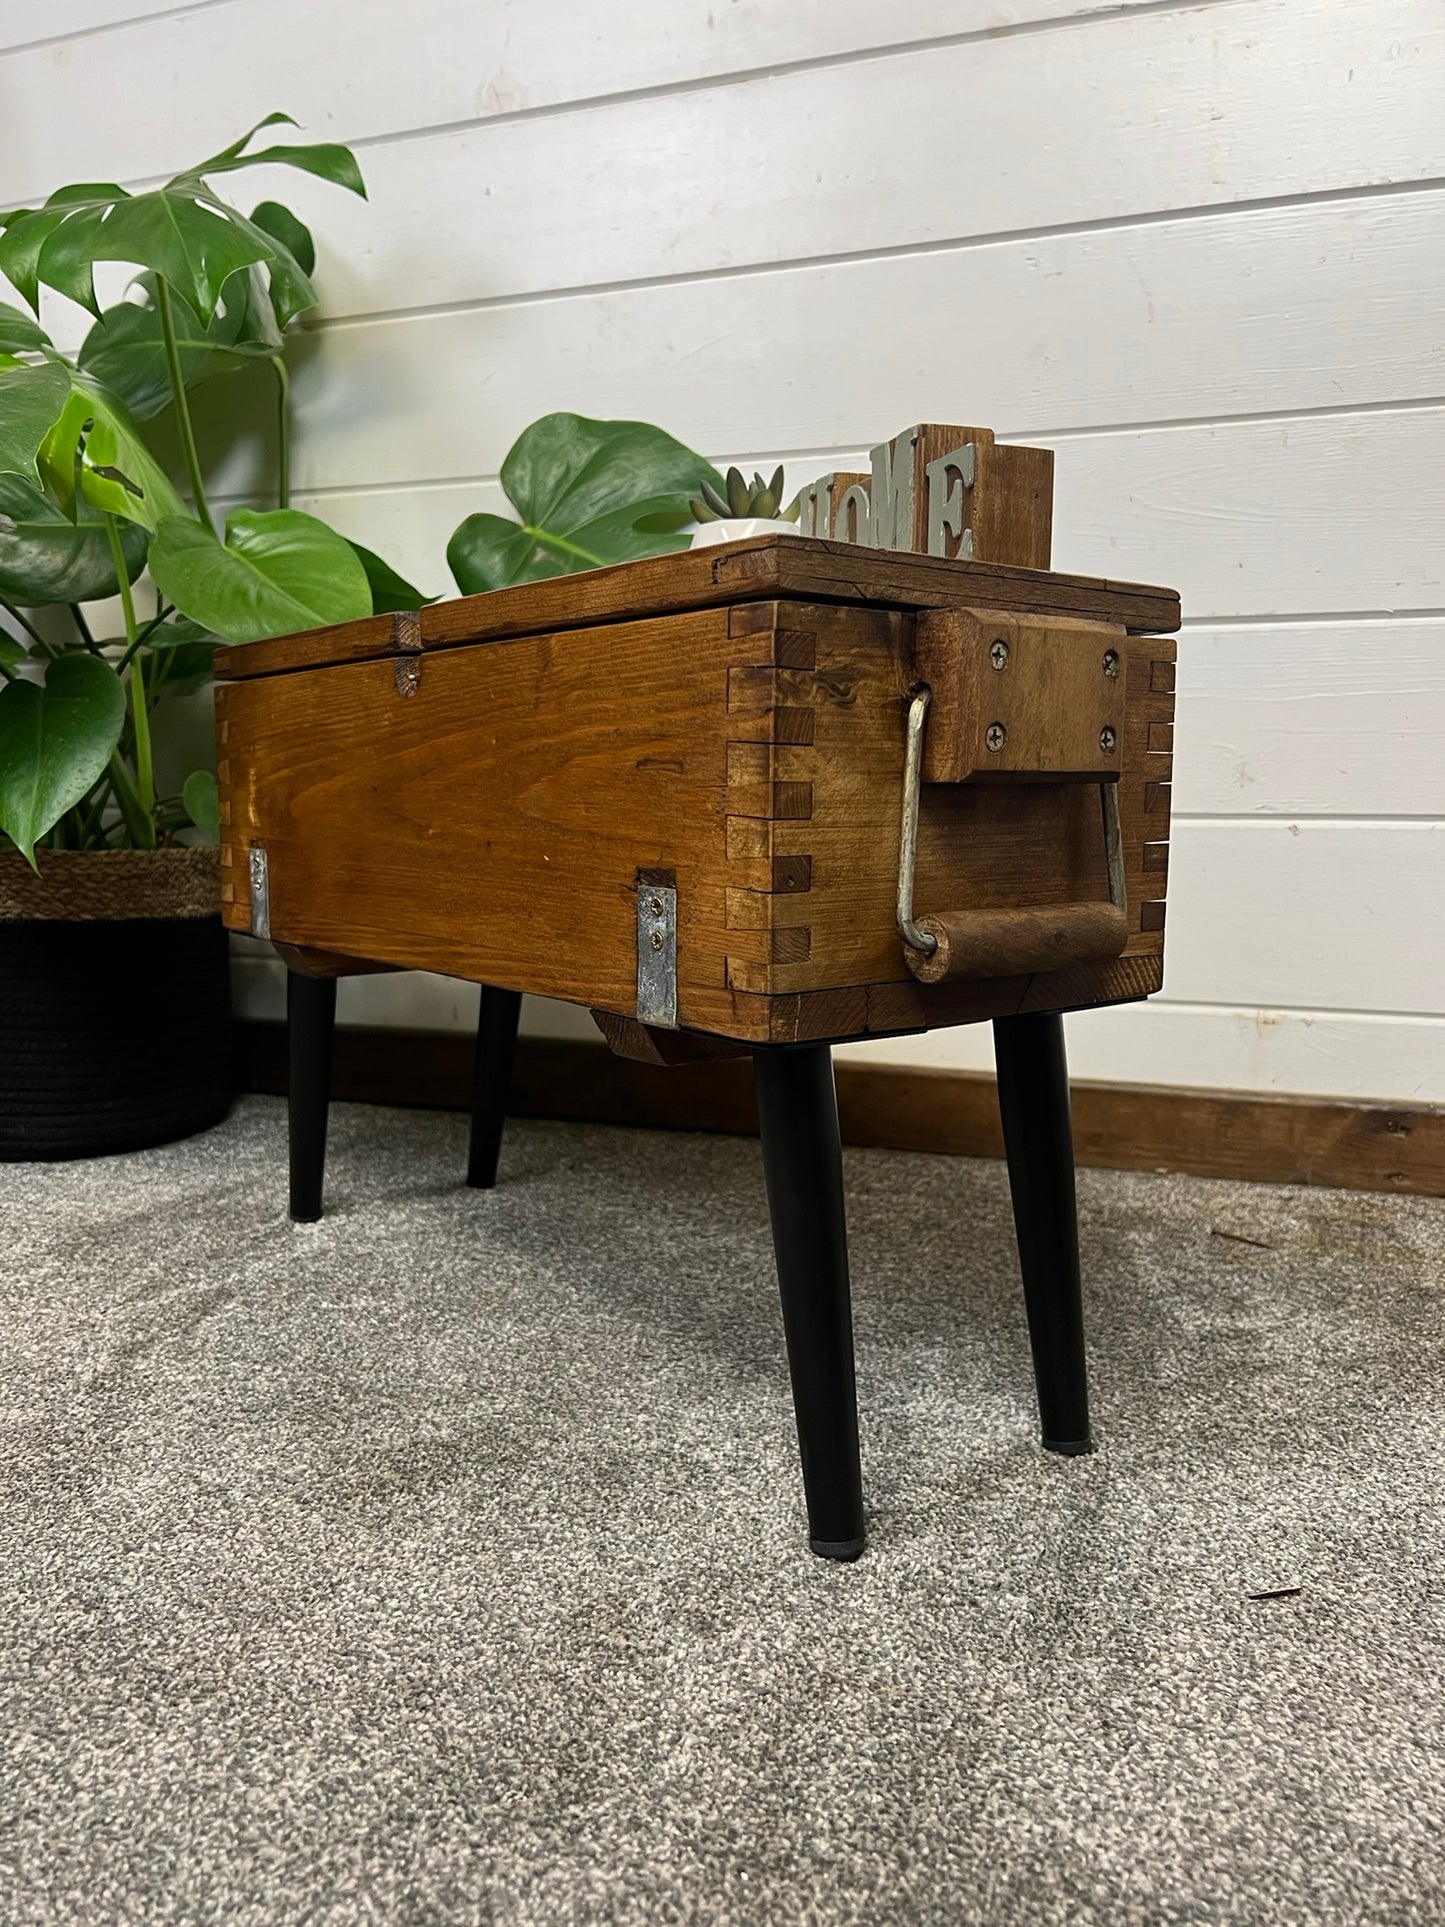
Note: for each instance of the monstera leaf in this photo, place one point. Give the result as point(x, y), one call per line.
point(30, 232)
point(294, 235)
point(55, 739)
point(278, 571)
point(19, 334)
point(96, 443)
point(295, 239)
point(328, 160)
point(182, 231)
point(126, 349)
point(45, 557)
point(30, 400)
point(581, 490)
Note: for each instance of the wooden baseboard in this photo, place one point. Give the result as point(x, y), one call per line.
point(1122, 1127)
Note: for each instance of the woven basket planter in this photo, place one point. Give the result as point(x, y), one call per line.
point(115, 1009)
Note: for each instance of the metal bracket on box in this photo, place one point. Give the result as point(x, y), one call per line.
point(657, 955)
point(260, 891)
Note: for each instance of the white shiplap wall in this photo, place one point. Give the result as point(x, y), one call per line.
point(1199, 250)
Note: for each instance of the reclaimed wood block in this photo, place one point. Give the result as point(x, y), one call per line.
point(1015, 697)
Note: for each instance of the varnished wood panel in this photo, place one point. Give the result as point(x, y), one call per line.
point(795, 566)
point(492, 824)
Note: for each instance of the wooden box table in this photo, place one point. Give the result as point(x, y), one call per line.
point(688, 792)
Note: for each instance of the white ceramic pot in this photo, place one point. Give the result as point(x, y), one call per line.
point(737, 528)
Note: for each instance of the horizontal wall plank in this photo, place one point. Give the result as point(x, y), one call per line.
point(1121, 1127)
point(1269, 311)
point(347, 77)
point(1319, 1053)
point(1311, 719)
point(1249, 100)
point(1195, 1046)
point(1246, 519)
point(1308, 914)
point(34, 24)
point(1263, 518)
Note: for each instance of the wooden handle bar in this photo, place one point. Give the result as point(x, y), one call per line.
point(1012, 943)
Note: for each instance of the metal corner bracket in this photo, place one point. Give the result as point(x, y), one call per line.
point(657, 955)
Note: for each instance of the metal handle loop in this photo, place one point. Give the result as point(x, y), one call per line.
point(923, 940)
point(915, 938)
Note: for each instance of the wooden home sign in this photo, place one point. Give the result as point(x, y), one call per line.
point(939, 490)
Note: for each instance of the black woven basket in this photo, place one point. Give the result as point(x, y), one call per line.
point(115, 1032)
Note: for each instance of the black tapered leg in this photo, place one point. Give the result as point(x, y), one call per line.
point(803, 1163)
point(310, 1027)
point(496, 1047)
point(1033, 1096)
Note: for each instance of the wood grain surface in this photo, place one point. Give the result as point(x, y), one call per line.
point(491, 820)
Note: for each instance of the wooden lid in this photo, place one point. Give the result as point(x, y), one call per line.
point(788, 567)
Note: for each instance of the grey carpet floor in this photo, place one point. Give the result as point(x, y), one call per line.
point(444, 1561)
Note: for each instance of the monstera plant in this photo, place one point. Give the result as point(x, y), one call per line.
point(85, 505)
point(89, 514)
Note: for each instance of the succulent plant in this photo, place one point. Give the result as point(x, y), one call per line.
point(744, 500)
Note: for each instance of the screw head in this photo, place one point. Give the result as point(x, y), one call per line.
point(998, 653)
point(656, 940)
point(1107, 738)
point(1111, 664)
point(655, 906)
point(994, 735)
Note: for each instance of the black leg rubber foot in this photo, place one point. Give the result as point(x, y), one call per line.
point(845, 1551)
point(1071, 1448)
